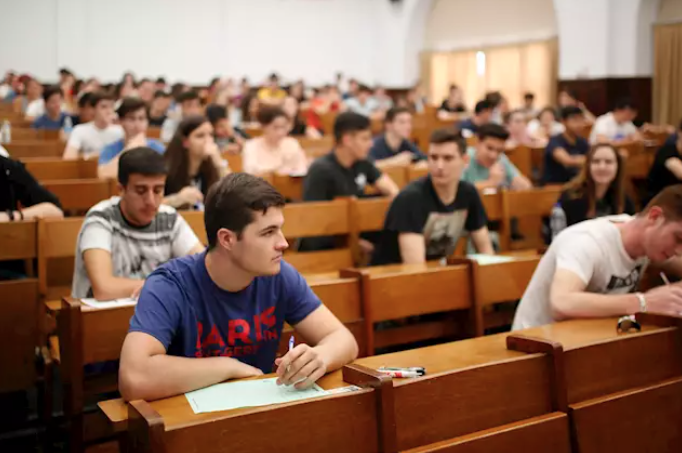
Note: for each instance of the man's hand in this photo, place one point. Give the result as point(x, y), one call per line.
point(302, 366)
point(137, 291)
point(211, 150)
point(497, 174)
point(404, 158)
point(665, 300)
point(190, 195)
point(243, 370)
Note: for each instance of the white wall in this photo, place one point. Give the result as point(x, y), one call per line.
point(670, 11)
point(464, 24)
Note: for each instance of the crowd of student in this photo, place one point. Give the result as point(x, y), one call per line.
point(192, 306)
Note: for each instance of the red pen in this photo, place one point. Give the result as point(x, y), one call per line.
point(401, 374)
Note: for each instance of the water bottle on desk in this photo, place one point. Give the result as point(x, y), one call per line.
point(6, 133)
point(557, 221)
point(68, 126)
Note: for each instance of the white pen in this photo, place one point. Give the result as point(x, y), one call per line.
point(665, 279)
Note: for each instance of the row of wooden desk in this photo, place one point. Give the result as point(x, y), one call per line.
point(575, 386)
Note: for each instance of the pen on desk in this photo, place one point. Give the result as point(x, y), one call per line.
point(401, 374)
point(665, 279)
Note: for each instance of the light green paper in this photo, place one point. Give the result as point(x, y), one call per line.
point(490, 259)
point(260, 392)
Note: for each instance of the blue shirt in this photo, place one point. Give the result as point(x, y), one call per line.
point(112, 150)
point(45, 122)
point(191, 316)
point(380, 149)
point(554, 172)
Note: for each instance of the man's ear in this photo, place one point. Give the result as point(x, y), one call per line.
point(654, 214)
point(226, 238)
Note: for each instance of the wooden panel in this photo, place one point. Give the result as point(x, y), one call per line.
point(369, 213)
point(326, 218)
point(521, 158)
point(80, 194)
point(416, 172)
point(643, 420)
point(543, 434)
point(492, 202)
point(18, 334)
point(234, 161)
point(413, 293)
point(436, 408)
point(341, 296)
point(324, 261)
point(46, 169)
point(534, 202)
point(18, 240)
point(511, 280)
point(291, 187)
point(397, 173)
point(195, 220)
point(60, 237)
point(23, 149)
point(154, 132)
point(104, 332)
point(600, 95)
point(316, 147)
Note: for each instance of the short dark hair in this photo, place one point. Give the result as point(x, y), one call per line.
point(98, 97)
point(161, 94)
point(231, 202)
point(393, 112)
point(187, 96)
point(364, 89)
point(449, 135)
point(142, 161)
point(494, 98)
point(482, 106)
point(624, 103)
point(51, 91)
point(84, 100)
point(571, 93)
point(65, 71)
point(131, 105)
point(273, 77)
point(529, 96)
point(215, 113)
point(269, 113)
point(161, 80)
point(492, 130)
point(670, 202)
point(570, 111)
point(349, 123)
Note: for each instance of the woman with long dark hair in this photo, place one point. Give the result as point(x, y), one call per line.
point(194, 163)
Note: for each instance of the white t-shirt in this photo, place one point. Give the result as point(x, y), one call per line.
point(3, 152)
point(607, 125)
point(593, 250)
point(89, 139)
point(135, 252)
point(556, 129)
point(35, 108)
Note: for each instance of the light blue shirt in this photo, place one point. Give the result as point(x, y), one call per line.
point(476, 172)
point(365, 109)
point(113, 149)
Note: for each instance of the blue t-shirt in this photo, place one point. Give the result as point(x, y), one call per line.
point(380, 150)
point(45, 122)
point(113, 149)
point(191, 316)
point(554, 172)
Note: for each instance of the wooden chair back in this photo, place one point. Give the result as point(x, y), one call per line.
point(416, 172)
point(316, 147)
point(520, 204)
point(195, 219)
point(20, 310)
point(154, 132)
point(291, 187)
point(401, 291)
point(57, 239)
point(521, 158)
point(77, 196)
point(21, 133)
point(397, 173)
point(56, 169)
point(150, 433)
point(34, 148)
point(234, 161)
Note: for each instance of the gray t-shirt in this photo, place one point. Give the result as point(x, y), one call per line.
point(135, 251)
point(594, 251)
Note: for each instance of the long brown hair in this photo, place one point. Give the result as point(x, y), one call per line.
point(583, 185)
point(177, 159)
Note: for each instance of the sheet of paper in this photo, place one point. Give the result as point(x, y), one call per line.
point(490, 259)
point(94, 303)
point(260, 392)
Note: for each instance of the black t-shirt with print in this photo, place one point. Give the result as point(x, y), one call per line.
point(659, 176)
point(417, 209)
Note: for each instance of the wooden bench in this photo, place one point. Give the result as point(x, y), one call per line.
point(534, 203)
point(56, 169)
point(21, 133)
point(77, 196)
point(57, 239)
point(34, 148)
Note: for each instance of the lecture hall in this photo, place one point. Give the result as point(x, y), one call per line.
point(447, 226)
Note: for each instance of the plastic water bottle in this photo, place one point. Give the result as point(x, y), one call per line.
point(68, 126)
point(6, 133)
point(557, 220)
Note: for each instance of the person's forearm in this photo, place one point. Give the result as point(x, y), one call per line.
point(41, 210)
point(590, 305)
point(70, 153)
point(487, 184)
point(115, 288)
point(174, 200)
point(395, 161)
point(338, 349)
point(162, 376)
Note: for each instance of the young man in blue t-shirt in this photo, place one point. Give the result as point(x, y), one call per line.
point(218, 315)
point(53, 118)
point(565, 153)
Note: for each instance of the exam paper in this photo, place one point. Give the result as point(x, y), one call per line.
point(260, 392)
point(489, 259)
point(94, 303)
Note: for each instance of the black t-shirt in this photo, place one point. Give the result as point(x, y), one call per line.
point(417, 209)
point(298, 128)
point(18, 186)
point(328, 179)
point(459, 108)
point(659, 176)
point(157, 122)
point(576, 208)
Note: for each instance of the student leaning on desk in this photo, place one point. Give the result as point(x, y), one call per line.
point(218, 315)
point(592, 268)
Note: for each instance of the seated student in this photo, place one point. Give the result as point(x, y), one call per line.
point(182, 335)
point(158, 109)
point(592, 268)
point(33, 105)
point(327, 99)
point(598, 191)
point(194, 164)
point(86, 112)
point(393, 147)
point(364, 104)
point(123, 239)
point(427, 217)
point(274, 151)
point(132, 114)
point(189, 105)
point(383, 99)
point(528, 108)
point(488, 167)
point(616, 127)
point(145, 90)
point(667, 167)
point(482, 115)
point(228, 138)
point(87, 140)
point(272, 94)
point(545, 126)
point(568, 98)
point(515, 122)
point(452, 104)
point(53, 118)
point(565, 153)
point(297, 126)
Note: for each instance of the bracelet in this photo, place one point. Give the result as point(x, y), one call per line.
point(642, 302)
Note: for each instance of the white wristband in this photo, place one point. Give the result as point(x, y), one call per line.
point(642, 302)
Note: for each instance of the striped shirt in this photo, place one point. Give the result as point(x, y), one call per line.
point(135, 251)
